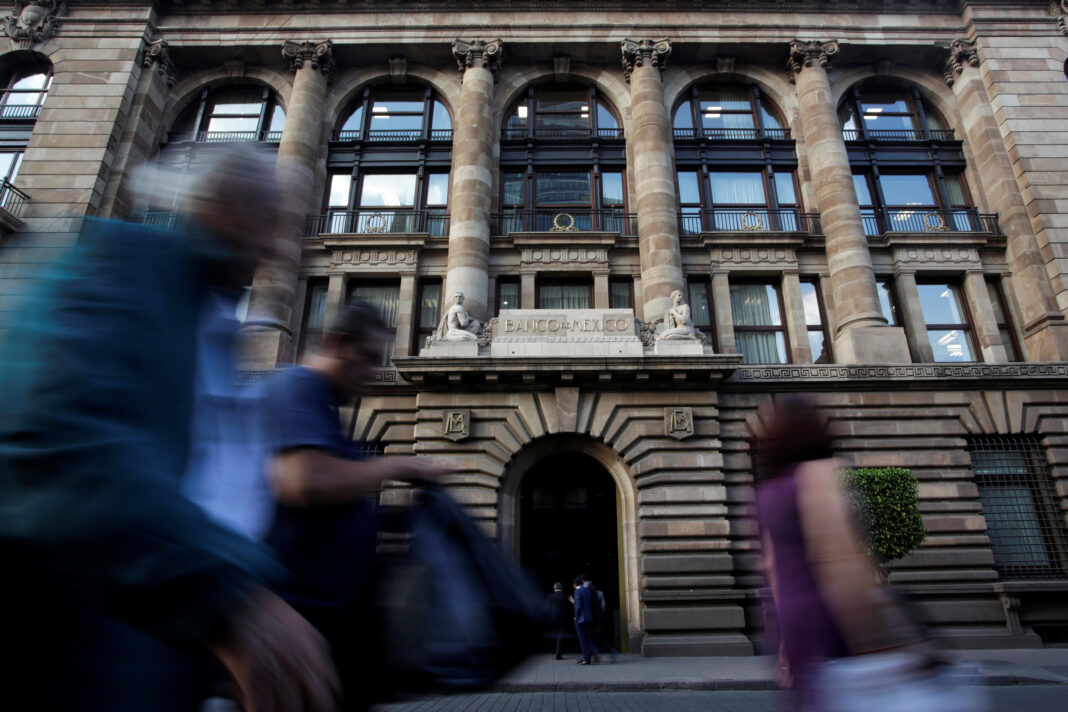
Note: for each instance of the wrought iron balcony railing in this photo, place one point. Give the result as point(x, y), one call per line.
point(12, 199)
point(752, 219)
point(927, 219)
point(897, 135)
point(224, 136)
point(394, 135)
point(565, 220)
point(575, 134)
point(730, 134)
point(19, 112)
point(160, 218)
point(433, 221)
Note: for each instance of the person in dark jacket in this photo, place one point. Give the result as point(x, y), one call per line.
point(113, 580)
point(559, 612)
point(584, 620)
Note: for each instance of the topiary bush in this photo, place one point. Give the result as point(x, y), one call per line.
point(885, 503)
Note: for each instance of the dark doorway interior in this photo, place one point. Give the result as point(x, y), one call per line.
point(567, 526)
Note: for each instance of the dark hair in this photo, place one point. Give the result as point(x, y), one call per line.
point(558, 586)
point(357, 322)
point(795, 432)
point(578, 581)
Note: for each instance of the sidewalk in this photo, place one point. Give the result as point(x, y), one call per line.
point(633, 673)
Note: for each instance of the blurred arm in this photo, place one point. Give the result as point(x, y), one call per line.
point(308, 476)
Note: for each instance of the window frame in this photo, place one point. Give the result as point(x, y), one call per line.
point(16, 75)
point(757, 103)
point(709, 329)
point(996, 284)
point(509, 279)
point(828, 345)
point(421, 331)
point(530, 130)
point(780, 328)
point(313, 285)
point(199, 114)
point(391, 282)
point(365, 104)
point(626, 280)
point(918, 110)
point(420, 216)
point(968, 325)
point(542, 280)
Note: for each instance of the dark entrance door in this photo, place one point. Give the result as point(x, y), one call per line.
point(567, 527)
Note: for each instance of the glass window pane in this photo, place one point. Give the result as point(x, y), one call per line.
point(1000, 314)
point(940, 304)
point(518, 118)
point(564, 296)
point(755, 305)
point(737, 188)
point(569, 122)
point(860, 184)
point(689, 193)
point(879, 122)
point(770, 122)
point(429, 305)
point(34, 81)
point(619, 293)
point(29, 98)
point(761, 347)
point(355, 121)
point(684, 116)
point(278, 119)
point(513, 189)
point(316, 307)
point(509, 295)
point(383, 297)
point(699, 307)
point(934, 121)
point(437, 189)
point(955, 189)
point(388, 190)
point(711, 119)
point(563, 188)
point(883, 102)
point(818, 348)
point(907, 190)
point(612, 188)
point(725, 98)
point(237, 100)
point(950, 345)
point(605, 119)
point(339, 190)
point(441, 120)
point(395, 122)
point(7, 160)
point(566, 99)
point(391, 101)
point(784, 188)
point(886, 303)
point(810, 299)
point(241, 125)
point(847, 118)
point(1010, 345)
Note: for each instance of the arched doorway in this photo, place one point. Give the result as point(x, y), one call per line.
point(569, 524)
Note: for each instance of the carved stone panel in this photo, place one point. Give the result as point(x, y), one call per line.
point(678, 423)
point(762, 257)
point(930, 256)
point(456, 424)
point(397, 260)
point(565, 258)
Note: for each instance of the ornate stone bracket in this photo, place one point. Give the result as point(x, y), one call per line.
point(1059, 9)
point(962, 53)
point(33, 21)
point(320, 56)
point(479, 53)
point(157, 56)
point(637, 52)
point(809, 54)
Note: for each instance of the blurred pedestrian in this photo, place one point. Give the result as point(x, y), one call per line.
point(325, 525)
point(584, 620)
point(117, 585)
point(827, 599)
point(559, 613)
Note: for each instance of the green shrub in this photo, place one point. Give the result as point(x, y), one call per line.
point(885, 503)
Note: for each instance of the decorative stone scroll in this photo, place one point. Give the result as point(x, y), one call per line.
point(962, 53)
point(33, 21)
point(479, 53)
point(456, 424)
point(809, 54)
point(157, 56)
point(636, 53)
point(678, 423)
point(319, 56)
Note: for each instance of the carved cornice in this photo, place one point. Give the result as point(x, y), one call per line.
point(33, 21)
point(157, 56)
point(479, 53)
point(962, 53)
point(636, 53)
point(809, 54)
point(318, 55)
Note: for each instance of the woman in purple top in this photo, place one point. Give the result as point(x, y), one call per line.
point(826, 597)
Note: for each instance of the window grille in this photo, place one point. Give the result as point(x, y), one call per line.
point(1026, 533)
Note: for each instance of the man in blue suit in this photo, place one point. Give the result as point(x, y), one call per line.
point(584, 620)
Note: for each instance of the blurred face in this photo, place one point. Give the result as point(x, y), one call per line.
point(242, 220)
point(359, 361)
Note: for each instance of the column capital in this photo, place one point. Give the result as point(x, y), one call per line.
point(809, 54)
point(961, 54)
point(637, 52)
point(157, 56)
point(479, 53)
point(319, 56)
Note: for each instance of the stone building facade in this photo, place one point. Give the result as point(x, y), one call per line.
point(865, 201)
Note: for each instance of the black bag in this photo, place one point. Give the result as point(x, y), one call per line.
point(459, 613)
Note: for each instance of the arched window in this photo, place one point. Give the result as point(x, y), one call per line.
point(561, 112)
point(730, 112)
point(24, 92)
point(878, 112)
point(385, 114)
point(232, 113)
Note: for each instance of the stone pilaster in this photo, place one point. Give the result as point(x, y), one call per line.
point(796, 328)
point(1044, 327)
point(653, 154)
point(862, 335)
point(267, 334)
point(912, 321)
point(982, 311)
point(721, 313)
point(527, 290)
point(472, 175)
point(335, 294)
point(601, 296)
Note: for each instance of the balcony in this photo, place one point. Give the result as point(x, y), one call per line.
point(575, 134)
point(19, 112)
point(898, 135)
point(755, 219)
point(224, 136)
point(12, 201)
point(731, 134)
point(434, 222)
point(393, 136)
point(565, 220)
point(920, 219)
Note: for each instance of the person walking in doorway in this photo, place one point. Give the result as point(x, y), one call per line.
point(557, 607)
point(584, 620)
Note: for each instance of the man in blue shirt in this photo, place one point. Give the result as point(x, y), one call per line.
point(584, 620)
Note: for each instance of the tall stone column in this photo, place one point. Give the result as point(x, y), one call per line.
point(1045, 329)
point(472, 174)
point(267, 333)
point(653, 153)
point(862, 334)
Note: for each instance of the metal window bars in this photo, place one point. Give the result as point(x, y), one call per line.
point(897, 135)
point(927, 219)
point(562, 134)
point(224, 136)
point(12, 199)
point(751, 134)
point(693, 221)
point(565, 220)
point(369, 221)
point(392, 135)
point(19, 112)
point(1027, 535)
